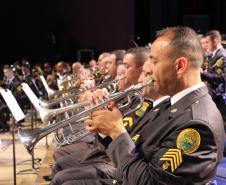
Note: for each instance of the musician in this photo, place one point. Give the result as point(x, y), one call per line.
point(76, 68)
point(112, 62)
point(207, 54)
point(111, 66)
point(100, 75)
point(28, 78)
point(216, 76)
point(61, 69)
point(96, 158)
point(47, 69)
point(13, 84)
point(92, 65)
point(36, 72)
point(182, 146)
point(120, 74)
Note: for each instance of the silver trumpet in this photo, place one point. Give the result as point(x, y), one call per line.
point(47, 114)
point(31, 140)
point(111, 86)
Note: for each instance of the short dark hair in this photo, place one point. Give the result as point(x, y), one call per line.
point(7, 67)
point(141, 54)
point(119, 54)
point(184, 42)
point(214, 34)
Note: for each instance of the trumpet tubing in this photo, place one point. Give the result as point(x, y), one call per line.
point(47, 114)
point(65, 140)
point(111, 85)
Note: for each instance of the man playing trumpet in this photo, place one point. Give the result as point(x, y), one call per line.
point(182, 146)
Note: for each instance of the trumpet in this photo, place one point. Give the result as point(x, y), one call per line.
point(62, 138)
point(31, 140)
point(111, 86)
point(47, 114)
point(52, 93)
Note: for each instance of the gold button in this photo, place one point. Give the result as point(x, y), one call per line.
point(155, 110)
point(174, 110)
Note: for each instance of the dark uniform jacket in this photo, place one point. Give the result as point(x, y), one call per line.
point(14, 86)
point(182, 146)
point(4, 116)
point(216, 78)
point(16, 89)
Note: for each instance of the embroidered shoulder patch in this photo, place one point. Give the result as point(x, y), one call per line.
point(188, 140)
point(142, 110)
point(171, 160)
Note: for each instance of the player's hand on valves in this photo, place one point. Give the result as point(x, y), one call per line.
point(107, 122)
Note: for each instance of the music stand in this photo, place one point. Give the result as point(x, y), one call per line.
point(18, 115)
point(35, 102)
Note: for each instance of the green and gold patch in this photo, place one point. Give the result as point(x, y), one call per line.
point(188, 140)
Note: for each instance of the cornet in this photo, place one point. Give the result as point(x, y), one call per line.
point(30, 140)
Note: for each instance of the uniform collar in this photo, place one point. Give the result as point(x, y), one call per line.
point(183, 93)
point(159, 100)
point(215, 51)
point(187, 100)
point(10, 79)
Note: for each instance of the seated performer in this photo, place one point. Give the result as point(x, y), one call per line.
point(182, 143)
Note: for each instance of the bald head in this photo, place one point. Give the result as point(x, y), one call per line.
point(76, 66)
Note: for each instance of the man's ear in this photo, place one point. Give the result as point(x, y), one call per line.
point(181, 65)
point(215, 42)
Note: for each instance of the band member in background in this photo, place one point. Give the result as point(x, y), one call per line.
point(216, 75)
point(13, 84)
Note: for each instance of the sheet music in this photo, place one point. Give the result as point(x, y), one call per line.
point(31, 95)
point(12, 104)
point(49, 91)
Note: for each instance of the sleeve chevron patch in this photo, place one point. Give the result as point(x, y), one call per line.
point(171, 160)
point(128, 121)
point(136, 137)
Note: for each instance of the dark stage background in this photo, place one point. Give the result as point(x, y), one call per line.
point(50, 30)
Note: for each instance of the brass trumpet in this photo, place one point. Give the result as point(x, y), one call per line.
point(30, 140)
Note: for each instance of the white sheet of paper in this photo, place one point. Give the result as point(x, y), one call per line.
point(31, 95)
point(49, 91)
point(12, 104)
